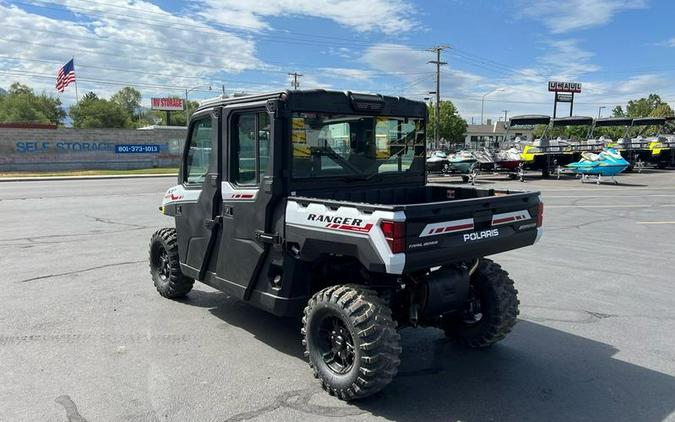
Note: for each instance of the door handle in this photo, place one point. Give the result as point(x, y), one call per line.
point(261, 236)
point(210, 224)
point(228, 210)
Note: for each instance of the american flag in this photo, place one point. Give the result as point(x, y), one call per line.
point(65, 76)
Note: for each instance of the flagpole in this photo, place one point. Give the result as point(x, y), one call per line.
point(77, 96)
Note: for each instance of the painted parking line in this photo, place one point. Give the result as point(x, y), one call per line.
point(655, 222)
point(609, 196)
point(599, 206)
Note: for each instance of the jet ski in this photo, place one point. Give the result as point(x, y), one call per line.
point(607, 162)
point(462, 162)
point(641, 150)
point(508, 159)
point(485, 159)
point(437, 161)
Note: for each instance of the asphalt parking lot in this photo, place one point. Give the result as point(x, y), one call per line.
point(84, 335)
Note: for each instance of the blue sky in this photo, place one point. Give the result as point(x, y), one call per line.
point(508, 49)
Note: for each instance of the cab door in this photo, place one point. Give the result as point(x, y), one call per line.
point(197, 220)
point(247, 197)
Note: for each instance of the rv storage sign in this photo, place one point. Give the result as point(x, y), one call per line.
point(167, 104)
point(555, 86)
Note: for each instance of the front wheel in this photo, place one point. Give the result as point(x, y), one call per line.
point(165, 267)
point(351, 341)
point(491, 310)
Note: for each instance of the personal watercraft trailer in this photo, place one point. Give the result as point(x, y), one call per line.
point(643, 150)
point(603, 141)
point(607, 163)
point(525, 158)
point(548, 155)
point(668, 154)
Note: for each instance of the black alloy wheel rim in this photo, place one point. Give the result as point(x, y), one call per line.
point(336, 345)
point(163, 265)
point(473, 313)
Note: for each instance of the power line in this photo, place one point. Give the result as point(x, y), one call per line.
point(104, 81)
point(145, 58)
point(205, 29)
point(247, 28)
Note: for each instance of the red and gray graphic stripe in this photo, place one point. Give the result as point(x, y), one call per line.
point(510, 217)
point(446, 227)
point(241, 196)
point(361, 229)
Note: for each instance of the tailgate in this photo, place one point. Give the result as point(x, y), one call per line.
point(444, 232)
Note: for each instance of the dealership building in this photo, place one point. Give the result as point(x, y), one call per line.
point(491, 133)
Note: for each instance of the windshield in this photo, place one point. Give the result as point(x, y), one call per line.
point(356, 146)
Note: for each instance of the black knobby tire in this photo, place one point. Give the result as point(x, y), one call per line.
point(364, 321)
point(165, 267)
point(492, 309)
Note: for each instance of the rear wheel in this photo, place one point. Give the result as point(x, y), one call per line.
point(351, 341)
point(491, 310)
point(165, 267)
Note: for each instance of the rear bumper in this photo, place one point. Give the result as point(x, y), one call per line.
point(456, 248)
point(540, 233)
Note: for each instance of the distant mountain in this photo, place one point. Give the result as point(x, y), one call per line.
point(2, 91)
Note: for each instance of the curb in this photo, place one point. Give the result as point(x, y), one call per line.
point(88, 177)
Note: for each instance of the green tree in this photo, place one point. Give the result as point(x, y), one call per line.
point(95, 112)
point(21, 104)
point(652, 106)
point(129, 99)
point(451, 126)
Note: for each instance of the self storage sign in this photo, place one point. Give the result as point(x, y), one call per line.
point(167, 104)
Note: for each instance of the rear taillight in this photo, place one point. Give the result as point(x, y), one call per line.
point(540, 214)
point(394, 234)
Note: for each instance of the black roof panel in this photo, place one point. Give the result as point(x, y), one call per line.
point(341, 102)
point(613, 121)
point(573, 121)
point(530, 119)
point(649, 121)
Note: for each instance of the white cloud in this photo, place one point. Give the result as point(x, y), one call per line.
point(417, 74)
point(103, 40)
point(565, 60)
point(387, 16)
point(564, 16)
point(348, 73)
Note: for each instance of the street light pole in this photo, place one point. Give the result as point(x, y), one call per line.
point(482, 101)
point(187, 106)
point(599, 110)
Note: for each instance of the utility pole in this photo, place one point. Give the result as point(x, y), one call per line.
point(296, 82)
point(437, 49)
point(506, 114)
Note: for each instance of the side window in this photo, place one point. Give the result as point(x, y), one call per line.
point(252, 148)
point(199, 153)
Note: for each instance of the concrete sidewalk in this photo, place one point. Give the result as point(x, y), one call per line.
point(103, 176)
